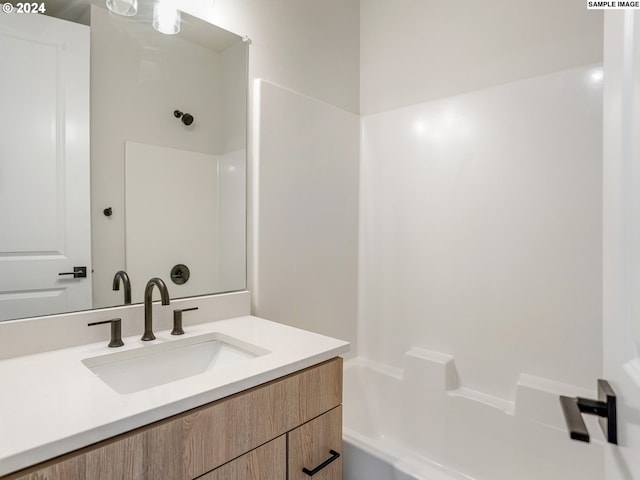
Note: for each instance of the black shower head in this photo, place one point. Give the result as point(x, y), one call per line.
point(187, 118)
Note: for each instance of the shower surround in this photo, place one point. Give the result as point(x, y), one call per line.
point(480, 254)
point(418, 423)
point(480, 231)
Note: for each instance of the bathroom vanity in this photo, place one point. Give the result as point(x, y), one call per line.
point(268, 416)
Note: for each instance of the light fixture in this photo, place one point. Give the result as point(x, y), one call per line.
point(127, 8)
point(166, 17)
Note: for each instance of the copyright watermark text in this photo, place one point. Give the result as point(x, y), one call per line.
point(20, 7)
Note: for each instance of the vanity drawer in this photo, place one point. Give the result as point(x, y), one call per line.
point(314, 443)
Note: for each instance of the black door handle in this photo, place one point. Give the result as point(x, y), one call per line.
point(604, 407)
point(78, 272)
point(311, 473)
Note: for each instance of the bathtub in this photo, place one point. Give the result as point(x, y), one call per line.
point(418, 423)
point(368, 459)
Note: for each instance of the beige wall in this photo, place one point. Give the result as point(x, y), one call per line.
point(416, 50)
point(308, 46)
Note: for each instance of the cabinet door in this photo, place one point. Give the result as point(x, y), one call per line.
point(146, 454)
point(316, 443)
point(268, 462)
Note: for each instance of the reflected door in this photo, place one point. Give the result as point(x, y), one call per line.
point(44, 166)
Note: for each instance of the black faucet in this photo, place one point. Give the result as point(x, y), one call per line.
point(148, 293)
point(122, 275)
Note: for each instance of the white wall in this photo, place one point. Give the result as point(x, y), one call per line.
point(481, 212)
point(416, 50)
point(307, 213)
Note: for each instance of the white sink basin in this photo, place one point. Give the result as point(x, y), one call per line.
point(157, 364)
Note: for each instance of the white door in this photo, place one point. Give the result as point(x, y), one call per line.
point(44, 165)
point(621, 332)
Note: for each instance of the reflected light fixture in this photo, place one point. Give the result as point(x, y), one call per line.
point(126, 8)
point(166, 17)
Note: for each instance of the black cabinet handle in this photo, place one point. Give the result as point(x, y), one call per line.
point(78, 272)
point(311, 473)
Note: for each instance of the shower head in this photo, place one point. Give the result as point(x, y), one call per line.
point(187, 118)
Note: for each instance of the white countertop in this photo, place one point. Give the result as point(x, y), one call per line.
point(52, 404)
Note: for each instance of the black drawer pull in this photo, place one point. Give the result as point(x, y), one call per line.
point(311, 473)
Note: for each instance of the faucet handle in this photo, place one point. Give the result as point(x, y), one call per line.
point(116, 331)
point(177, 320)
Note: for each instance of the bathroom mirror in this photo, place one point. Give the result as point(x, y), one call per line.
point(165, 183)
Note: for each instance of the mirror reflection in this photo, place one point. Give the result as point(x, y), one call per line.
point(125, 151)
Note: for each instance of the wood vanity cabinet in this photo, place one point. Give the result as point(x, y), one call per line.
point(269, 432)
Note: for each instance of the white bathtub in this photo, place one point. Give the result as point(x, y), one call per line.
point(417, 423)
point(368, 459)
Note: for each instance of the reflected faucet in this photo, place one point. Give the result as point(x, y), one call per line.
point(148, 293)
point(122, 275)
